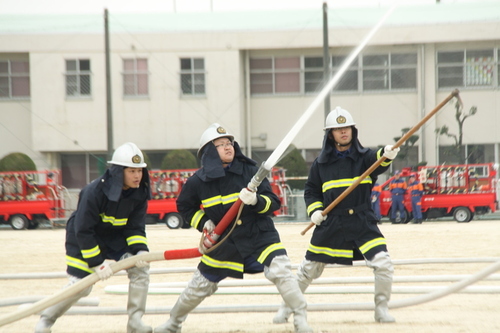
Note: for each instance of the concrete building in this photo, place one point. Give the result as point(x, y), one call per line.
point(255, 73)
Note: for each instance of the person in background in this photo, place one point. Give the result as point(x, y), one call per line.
point(416, 190)
point(109, 223)
point(254, 246)
point(349, 231)
point(376, 200)
point(397, 187)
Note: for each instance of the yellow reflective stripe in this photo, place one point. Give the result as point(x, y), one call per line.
point(336, 253)
point(380, 152)
point(114, 221)
point(222, 264)
point(230, 198)
point(197, 218)
point(137, 240)
point(209, 202)
point(371, 244)
point(78, 264)
point(268, 204)
point(90, 253)
point(271, 248)
point(224, 200)
point(314, 206)
point(344, 183)
point(386, 162)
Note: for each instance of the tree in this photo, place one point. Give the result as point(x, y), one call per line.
point(179, 159)
point(457, 150)
point(295, 166)
point(17, 162)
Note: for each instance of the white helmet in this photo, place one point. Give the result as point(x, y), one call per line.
point(212, 133)
point(128, 155)
point(338, 117)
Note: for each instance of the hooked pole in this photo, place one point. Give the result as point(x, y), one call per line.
point(454, 93)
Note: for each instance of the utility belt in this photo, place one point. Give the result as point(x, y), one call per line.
point(415, 195)
point(349, 211)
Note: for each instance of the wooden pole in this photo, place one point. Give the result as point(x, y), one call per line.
point(382, 158)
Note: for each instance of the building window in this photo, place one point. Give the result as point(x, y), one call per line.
point(349, 80)
point(79, 170)
point(193, 76)
point(313, 74)
point(275, 75)
point(135, 77)
point(389, 71)
point(78, 78)
point(14, 79)
point(466, 68)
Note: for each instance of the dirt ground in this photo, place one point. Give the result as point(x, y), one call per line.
point(42, 250)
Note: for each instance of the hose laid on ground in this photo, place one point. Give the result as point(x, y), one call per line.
point(86, 301)
point(93, 278)
point(167, 270)
point(311, 307)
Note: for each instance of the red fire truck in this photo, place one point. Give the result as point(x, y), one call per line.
point(30, 197)
point(460, 191)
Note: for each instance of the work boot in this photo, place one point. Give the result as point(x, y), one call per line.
point(137, 296)
point(197, 290)
point(136, 307)
point(383, 270)
point(279, 272)
point(307, 272)
point(49, 316)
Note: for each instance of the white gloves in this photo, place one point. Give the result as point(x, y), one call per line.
point(210, 237)
point(103, 270)
point(390, 152)
point(141, 263)
point(209, 226)
point(317, 217)
point(248, 197)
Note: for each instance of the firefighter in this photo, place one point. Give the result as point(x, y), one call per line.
point(109, 223)
point(349, 231)
point(416, 190)
point(375, 198)
point(397, 187)
point(254, 246)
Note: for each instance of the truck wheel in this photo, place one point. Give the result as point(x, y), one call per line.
point(462, 214)
point(19, 222)
point(174, 220)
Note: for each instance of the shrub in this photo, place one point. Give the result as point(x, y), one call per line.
point(179, 159)
point(295, 166)
point(17, 162)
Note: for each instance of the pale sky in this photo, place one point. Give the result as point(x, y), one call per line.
point(131, 6)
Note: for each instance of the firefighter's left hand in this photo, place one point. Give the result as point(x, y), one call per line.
point(141, 263)
point(248, 197)
point(390, 152)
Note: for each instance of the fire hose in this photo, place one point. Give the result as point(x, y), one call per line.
point(257, 179)
point(454, 93)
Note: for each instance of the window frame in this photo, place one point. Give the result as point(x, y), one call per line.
point(469, 71)
point(196, 77)
point(132, 88)
point(79, 74)
point(10, 77)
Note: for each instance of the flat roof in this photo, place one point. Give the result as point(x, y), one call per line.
point(250, 20)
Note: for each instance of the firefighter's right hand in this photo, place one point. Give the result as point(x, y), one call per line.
point(248, 197)
point(103, 270)
point(317, 217)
